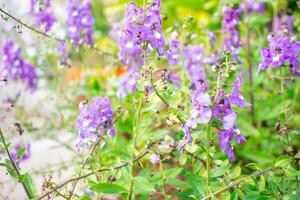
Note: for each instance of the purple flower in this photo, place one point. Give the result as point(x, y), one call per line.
point(283, 48)
point(250, 6)
point(41, 10)
point(187, 139)
point(63, 52)
point(80, 22)
point(174, 49)
point(230, 33)
point(283, 21)
point(15, 67)
point(140, 34)
point(128, 84)
point(14, 152)
point(236, 98)
point(154, 158)
point(94, 120)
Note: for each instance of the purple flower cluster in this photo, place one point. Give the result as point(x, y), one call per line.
point(141, 32)
point(202, 112)
point(174, 51)
point(251, 6)
point(94, 120)
point(283, 48)
point(15, 67)
point(230, 33)
point(14, 152)
point(41, 10)
point(223, 112)
point(194, 56)
point(80, 22)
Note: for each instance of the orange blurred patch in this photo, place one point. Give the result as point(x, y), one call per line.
point(73, 74)
point(120, 71)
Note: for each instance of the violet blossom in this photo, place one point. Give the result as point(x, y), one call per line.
point(80, 22)
point(251, 6)
point(15, 67)
point(283, 48)
point(95, 119)
point(230, 33)
point(140, 34)
point(42, 12)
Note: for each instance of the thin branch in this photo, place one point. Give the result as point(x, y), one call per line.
point(92, 173)
point(13, 164)
point(44, 34)
point(237, 182)
point(85, 162)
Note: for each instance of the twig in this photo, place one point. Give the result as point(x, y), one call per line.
point(237, 182)
point(92, 173)
point(84, 163)
point(14, 164)
point(44, 34)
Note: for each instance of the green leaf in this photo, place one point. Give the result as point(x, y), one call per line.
point(28, 182)
point(21, 152)
point(236, 172)
point(197, 184)
point(85, 197)
point(283, 161)
point(108, 188)
point(262, 183)
point(182, 159)
point(143, 186)
point(253, 166)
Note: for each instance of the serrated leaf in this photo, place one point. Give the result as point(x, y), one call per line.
point(28, 182)
point(108, 188)
point(283, 161)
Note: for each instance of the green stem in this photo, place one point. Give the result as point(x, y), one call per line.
point(208, 157)
point(284, 110)
point(14, 164)
point(164, 179)
point(236, 183)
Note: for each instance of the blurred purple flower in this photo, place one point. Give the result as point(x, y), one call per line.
point(230, 33)
point(154, 158)
point(80, 22)
point(42, 12)
point(94, 120)
point(15, 67)
point(174, 49)
point(250, 6)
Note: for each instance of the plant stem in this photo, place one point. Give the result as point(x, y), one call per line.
point(14, 164)
point(236, 183)
point(161, 166)
point(208, 157)
point(282, 92)
point(250, 71)
point(84, 163)
point(136, 159)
